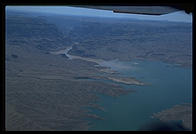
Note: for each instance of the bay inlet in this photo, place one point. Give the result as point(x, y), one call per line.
point(168, 85)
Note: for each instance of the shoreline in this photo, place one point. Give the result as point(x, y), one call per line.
point(123, 80)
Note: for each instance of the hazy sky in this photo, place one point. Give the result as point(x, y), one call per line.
point(179, 16)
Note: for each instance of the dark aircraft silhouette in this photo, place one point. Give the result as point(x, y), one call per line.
point(147, 10)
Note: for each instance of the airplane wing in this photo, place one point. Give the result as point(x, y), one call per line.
point(146, 10)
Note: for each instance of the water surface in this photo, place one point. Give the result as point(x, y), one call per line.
point(168, 85)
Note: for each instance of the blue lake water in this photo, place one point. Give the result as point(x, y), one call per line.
point(168, 85)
